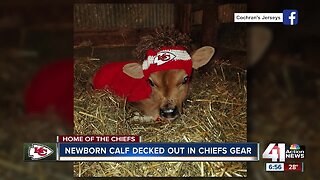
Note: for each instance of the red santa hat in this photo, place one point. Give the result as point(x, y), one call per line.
point(166, 58)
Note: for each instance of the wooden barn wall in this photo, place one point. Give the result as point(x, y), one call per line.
point(226, 11)
point(93, 17)
point(122, 24)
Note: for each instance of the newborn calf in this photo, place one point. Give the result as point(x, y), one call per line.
point(159, 85)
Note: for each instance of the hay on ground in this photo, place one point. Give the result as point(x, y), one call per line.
point(215, 111)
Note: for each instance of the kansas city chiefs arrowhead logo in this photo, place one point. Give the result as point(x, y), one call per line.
point(39, 151)
point(163, 57)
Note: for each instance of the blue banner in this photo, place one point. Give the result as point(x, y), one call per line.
point(158, 151)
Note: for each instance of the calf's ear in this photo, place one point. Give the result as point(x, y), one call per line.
point(133, 70)
point(202, 56)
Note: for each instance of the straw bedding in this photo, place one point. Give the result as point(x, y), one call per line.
point(215, 111)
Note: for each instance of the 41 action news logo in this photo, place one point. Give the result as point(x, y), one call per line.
point(280, 152)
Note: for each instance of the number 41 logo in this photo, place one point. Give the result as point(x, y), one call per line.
point(275, 152)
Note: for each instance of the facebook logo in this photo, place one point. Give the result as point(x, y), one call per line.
point(290, 17)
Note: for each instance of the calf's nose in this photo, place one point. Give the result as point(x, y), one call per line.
point(169, 112)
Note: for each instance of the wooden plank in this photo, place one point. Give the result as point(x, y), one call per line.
point(210, 23)
point(183, 17)
point(115, 37)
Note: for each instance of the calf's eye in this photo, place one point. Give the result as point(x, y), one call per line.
point(151, 82)
point(185, 80)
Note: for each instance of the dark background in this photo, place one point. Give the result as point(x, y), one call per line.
point(283, 87)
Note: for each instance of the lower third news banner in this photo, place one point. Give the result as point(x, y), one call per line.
point(157, 151)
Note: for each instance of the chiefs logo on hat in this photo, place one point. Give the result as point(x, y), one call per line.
point(163, 57)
